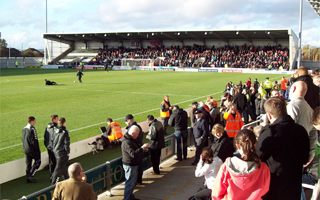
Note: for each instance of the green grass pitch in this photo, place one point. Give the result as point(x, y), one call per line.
point(101, 95)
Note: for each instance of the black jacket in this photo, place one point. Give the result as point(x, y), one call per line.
point(179, 120)
point(132, 153)
point(48, 135)
point(313, 92)
point(139, 140)
point(61, 143)
point(201, 132)
point(222, 147)
point(215, 115)
point(30, 141)
point(284, 146)
point(241, 101)
point(156, 135)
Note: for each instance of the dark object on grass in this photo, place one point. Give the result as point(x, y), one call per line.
point(47, 82)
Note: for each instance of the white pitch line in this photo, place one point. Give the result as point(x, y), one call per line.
point(135, 114)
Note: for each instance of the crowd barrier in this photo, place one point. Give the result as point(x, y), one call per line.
point(110, 174)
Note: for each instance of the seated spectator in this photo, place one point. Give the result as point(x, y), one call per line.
point(243, 176)
point(114, 131)
point(222, 146)
point(208, 166)
point(74, 188)
point(47, 82)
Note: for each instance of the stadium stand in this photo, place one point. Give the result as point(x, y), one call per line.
point(245, 56)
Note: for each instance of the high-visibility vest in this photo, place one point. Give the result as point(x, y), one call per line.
point(164, 114)
point(116, 132)
point(267, 84)
point(233, 124)
point(262, 91)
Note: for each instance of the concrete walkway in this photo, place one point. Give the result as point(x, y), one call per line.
point(176, 182)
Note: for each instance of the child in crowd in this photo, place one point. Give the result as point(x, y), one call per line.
point(208, 166)
point(243, 176)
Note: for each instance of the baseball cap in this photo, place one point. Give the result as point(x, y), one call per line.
point(198, 111)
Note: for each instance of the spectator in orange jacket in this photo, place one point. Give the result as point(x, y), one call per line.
point(234, 121)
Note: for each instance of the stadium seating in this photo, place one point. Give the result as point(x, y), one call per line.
point(245, 56)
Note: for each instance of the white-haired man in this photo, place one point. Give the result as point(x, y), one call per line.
point(132, 155)
point(74, 188)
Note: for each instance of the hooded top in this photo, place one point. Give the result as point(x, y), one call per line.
point(238, 179)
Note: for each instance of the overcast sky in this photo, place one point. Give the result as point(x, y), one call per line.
point(22, 22)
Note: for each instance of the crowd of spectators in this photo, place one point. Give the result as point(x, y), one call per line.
point(246, 56)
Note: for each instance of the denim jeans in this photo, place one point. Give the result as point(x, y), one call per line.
point(181, 136)
point(131, 175)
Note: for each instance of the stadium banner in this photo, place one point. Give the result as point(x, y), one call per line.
point(207, 69)
point(91, 67)
point(231, 70)
point(161, 68)
point(121, 68)
point(52, 66)
point(109, 174)
point(186, 70)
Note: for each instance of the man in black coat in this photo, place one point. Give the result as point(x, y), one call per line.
point(49, 132)
point(200, 133)
point(129, 120)
point(132, 155)
point(61, 150)
point(156, 137)
point(284, 146)
point(241, 101)
point(31, 148)
point(179, 120)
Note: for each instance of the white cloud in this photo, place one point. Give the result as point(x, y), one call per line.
point(142, 15)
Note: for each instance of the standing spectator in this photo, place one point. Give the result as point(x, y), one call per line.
point(74, 188)
point(267, 85)
point(200, 133)
point(312, 95)
point(241, 102)
point(256, 84)
point(179, 120)
point(214, 112)
point(61, 150)
point(283, 86)
point(165, 111)
point(248, 83)
point(284, 145)
point(208, 166)
point(194, 107)
point(132, 155)
point(31, 148)
point(222, 146)
point(156, 137)
point(52, 128)
point(233, 121)
point(243, 176)
point(129, 120)
point(79, 75)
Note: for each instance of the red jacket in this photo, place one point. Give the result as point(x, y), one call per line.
point(239, 180)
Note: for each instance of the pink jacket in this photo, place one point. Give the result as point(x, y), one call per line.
point(239, 180)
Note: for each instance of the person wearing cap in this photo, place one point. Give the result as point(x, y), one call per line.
point(165, 111)
point(200, 133)
point(132, 155)
point(129, 120)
